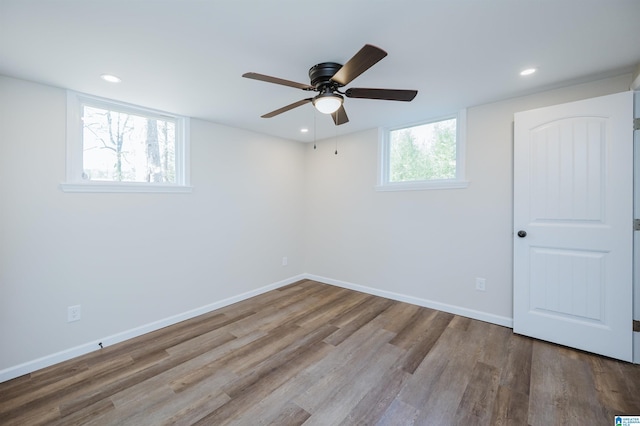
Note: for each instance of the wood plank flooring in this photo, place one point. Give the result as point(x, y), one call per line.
point(315, 354)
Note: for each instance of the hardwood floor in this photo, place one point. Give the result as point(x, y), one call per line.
point(315, 354)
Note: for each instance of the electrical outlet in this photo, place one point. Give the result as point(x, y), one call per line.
point(481, 284)
point(73, 313)
point(285, 261)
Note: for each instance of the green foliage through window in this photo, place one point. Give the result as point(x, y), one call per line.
point(423, 153)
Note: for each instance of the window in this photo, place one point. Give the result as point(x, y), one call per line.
point(428, 155)
point(116, 147)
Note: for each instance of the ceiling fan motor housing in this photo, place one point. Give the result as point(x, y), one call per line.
point(320, 74)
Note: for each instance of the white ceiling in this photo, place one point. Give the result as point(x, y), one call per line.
point(187, 56)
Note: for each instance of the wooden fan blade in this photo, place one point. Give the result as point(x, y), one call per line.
point(383, 94)
point(276, 80)
point(359, 63)
point(287, 108)
point(340, 116)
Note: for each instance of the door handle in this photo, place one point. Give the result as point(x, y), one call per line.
point(522, 234)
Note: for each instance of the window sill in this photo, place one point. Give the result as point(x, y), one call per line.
point(422, 186)
point(124, 187)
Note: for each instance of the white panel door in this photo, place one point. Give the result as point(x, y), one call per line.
point(573, 216)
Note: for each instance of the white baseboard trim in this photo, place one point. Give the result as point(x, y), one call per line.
point(457, 310)
point(67, 354)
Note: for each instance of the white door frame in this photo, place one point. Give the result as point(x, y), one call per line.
point(636, 214)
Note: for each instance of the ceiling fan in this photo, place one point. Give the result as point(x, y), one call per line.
point(328, 77)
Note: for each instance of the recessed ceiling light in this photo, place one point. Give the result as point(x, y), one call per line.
point(528, 71)
point(110, 78)
point(304, 130)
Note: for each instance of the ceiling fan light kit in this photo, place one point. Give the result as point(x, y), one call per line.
point(327, 103)
point(328, 77)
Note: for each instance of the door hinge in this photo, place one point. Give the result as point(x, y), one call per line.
point(636, 224)
point(636, 325)
point(636, 124)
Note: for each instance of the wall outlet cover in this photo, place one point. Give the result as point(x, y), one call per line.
point(73, 313)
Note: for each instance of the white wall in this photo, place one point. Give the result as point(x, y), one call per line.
point(132, 259)
point(426, 245)
point(135, 259)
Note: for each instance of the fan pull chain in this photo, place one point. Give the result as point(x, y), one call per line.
point(336, 127)
point(314, 129)
point(336, 140)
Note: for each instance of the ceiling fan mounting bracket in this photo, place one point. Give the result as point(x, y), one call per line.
point(320, 75)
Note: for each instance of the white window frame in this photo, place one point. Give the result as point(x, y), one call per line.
point(383, 183)
point(74, 181)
